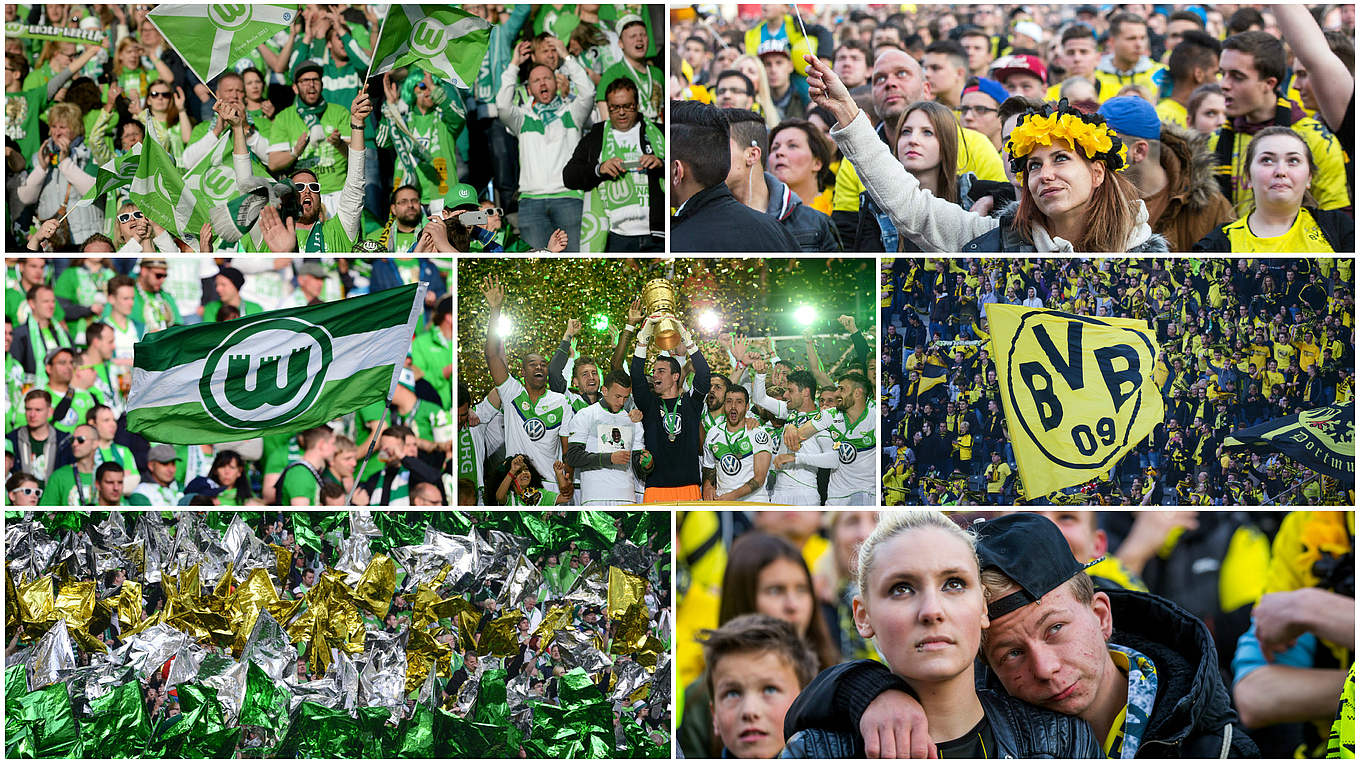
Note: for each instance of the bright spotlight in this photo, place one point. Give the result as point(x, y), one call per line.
point(504, 326)
point(805, 315)
point(709, 321)
point(600, 322)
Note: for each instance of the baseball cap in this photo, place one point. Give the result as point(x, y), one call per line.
point(1023, 64)
point(1030, 550)
point(152, 263)
point(461, 196)
point(1030, 30)
point(312, 268)
point(774, 46)
point(162, 452)
point(310, 64)
point(625, 20)
point(1132, 115)
point(989, 87)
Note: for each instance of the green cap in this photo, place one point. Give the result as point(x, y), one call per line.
point(460, 196)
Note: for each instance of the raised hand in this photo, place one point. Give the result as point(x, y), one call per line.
point(179, 99)
point(635, 311)
point(390, 93)
point(573, 327)
point(280, 235)
point(205, 238)
point(360, 107)
point(848, 322)
point(523, 51)
point(114, 92)
point(827, 90)
point(494, 293)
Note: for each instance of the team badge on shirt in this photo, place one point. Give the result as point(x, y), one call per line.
point(534, 428)
point(730, 464)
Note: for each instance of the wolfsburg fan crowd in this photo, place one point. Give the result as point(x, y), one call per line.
point(70, 330)
point(1241, 624)
point(541, 124)
point(1196, 106)
point(1242, 342)
point(332, 634)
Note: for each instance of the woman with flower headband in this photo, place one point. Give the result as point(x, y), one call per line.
point(1072, 197)
point(1285, 217)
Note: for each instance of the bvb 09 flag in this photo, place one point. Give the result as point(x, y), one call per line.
point(278, 372)
point(1078, 391)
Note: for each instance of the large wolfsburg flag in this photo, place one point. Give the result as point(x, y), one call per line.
point(210, 37)
point(441, 39)
point(1078, 391)
point(278, 372)
point(1323, 440)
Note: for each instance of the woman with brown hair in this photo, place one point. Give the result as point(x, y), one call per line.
point(765, 574)
point(164, 117)
point(800, 156)
point(1072, 197)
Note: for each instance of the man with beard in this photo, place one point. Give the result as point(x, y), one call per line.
point(605, 440)
point(714, 402)
point(670, 418)
point(325, 152)
point(548, 128)
point(853, 428)
point(795, 480)
point(536, 418)
point(73, 484)
point(343, 185)
point(736, 458)
point(585, 374)
point(619, 157)
point(406, 216)
point(898, 81)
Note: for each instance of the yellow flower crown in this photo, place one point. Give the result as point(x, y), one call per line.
point(1087, 133)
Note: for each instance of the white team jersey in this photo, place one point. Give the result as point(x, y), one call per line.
point(796, 482)
point(733, 455)
point(855, 444)
point(534, 429)
point(604, 432)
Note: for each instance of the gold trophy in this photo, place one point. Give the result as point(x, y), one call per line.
point(659, 300)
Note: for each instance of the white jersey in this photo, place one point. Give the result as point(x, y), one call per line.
point(855, 444)
point(733, 455)
point(604, 432)
point(795, 483)
point(535, 429)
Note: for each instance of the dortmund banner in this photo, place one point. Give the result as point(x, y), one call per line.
point(1323, 440)
point(1078, 391)
point(441, 39)
point(278, 372)
point(209, 37)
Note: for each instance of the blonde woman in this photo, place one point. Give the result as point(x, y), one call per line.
point(59, 177)
point(920, 598)
point(755, 71)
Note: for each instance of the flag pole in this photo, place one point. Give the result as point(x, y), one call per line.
point(369, 73)
point(359, 468)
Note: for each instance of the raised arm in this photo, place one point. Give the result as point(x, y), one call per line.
point(933, 223)
point(556, 382)
point(511, 115)
point(495, 352)
point(1333, 85)
point(621, 348)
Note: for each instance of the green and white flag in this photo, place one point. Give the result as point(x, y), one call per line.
point(440, 39)
point(160, 192)
point(281, 371)
point(210, 37)
point(117, 173)
point(213, 178)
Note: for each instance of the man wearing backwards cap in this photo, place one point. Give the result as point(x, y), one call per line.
point(1140, 670)
point(1172, 174)
point(978, 107)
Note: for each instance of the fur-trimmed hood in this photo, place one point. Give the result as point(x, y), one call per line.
point(1190, 149)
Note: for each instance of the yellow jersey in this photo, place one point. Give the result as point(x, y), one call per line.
point(1172, 112)
point(1303, 236)
point(1329, 181)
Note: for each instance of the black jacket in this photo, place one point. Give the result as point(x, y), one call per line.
point(1192, 716)
point(1337, 227)
point(712, 221)
point(1007, 238)
point(1019, 729)
point(811, 228)
point(579, 173)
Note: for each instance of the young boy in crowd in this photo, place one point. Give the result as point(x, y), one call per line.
point(756, 667)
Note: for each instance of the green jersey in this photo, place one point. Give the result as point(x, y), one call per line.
point(651, 86)
point(300, 481)
point(319, 156)
point(247, 308)
point(61, 491)
point(155, 310)
point(432, 353)
point(81, 402)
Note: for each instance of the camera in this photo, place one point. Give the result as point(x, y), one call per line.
point(473, 218)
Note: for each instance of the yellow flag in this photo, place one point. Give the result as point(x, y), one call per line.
point(1078, 391)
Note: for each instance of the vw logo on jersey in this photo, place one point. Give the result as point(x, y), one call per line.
point(761, 437)
point(846, 453)
point(730, 464)
point(535, 429)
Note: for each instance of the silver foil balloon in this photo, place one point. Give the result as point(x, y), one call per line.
point(270, 648)
point(148, 650)
point(184, 667)
point(228, 677)
point(627, 556)
point(591, 587)
point(524, 582)
point(382, 679)
point(579, 651)
point(629, 676)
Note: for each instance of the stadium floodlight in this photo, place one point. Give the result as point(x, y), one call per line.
point(505, 327)
point(805, 315)
point(709, 321)
point(600, 322)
